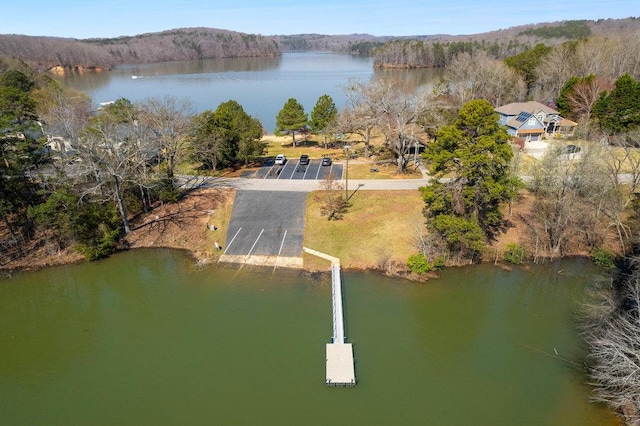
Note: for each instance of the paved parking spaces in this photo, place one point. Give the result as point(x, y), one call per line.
point(292, 169)
point(267, 227)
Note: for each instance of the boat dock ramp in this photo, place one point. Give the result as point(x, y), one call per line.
point(340, 370)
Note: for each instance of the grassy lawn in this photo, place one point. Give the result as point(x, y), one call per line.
point(362, 170)
point(220, 218)
point(627, 164)
point(378, 227)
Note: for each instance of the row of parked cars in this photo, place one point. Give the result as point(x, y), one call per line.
point(303, 161)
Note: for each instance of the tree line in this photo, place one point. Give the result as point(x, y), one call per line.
point(175, 45)
point(201, 43)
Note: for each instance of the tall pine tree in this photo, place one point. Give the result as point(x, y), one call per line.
point(474, 154)
point(291, 119)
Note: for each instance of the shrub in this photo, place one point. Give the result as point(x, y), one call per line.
point(418, 264)
point(168, 192)
point(603, 257)
point(515, 253)
point(438, 263)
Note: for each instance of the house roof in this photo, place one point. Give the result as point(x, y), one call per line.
point(565, 122)
point(533, 107)
point(530, 131)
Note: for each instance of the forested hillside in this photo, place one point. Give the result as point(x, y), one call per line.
point(333, 43)
point(173, 45)
point(438, 51)
point(45, 53)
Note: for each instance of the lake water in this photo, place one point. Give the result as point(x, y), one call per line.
point(260, 85)
point(146, 338)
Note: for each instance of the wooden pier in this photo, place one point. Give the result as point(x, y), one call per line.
point(340, 369)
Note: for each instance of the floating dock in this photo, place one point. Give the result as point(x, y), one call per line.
point(340, 368)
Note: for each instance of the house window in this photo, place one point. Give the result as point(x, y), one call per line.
point(532, 121)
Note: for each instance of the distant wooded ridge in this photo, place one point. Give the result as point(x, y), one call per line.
point(46, 53)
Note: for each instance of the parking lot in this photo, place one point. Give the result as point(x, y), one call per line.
point(292, 169)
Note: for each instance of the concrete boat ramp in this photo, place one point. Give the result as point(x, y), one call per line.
point(266, 229)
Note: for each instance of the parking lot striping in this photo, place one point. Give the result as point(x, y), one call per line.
point(280, 251)
point(293, 171)
point(282, 243)
point(231, 242)
point(254, 243)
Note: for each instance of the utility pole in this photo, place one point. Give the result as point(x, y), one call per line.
point(346, 174)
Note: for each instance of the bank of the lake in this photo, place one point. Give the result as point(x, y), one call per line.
point(145, 337)
point(379, 231)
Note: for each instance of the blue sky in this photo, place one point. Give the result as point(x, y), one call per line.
point(112, 18)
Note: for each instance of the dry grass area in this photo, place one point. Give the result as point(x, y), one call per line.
point(515, 230)
point(386, 170)
point(187, 225)
point(378, 229)
point(312, 146)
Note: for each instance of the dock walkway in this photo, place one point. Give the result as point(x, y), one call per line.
point(340, 370)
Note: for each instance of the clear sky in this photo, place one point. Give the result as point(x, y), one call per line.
point(112, 18)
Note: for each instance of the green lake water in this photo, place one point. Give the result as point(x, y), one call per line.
point(145, 338)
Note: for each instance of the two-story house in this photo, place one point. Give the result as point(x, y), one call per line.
point(533, 121)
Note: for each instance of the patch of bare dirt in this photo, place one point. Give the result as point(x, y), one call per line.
point(185, 225)
point(515, 230)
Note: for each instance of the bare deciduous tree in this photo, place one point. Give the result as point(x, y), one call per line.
point(64, 116)
point(360, 116)
point(397, 113)
point(168, 120)
point(569, 191)
point(611, 328)
point(607, 57)
point(585, 94)
point(623, 165)
point(479, 76)
point(332, 203)
point(114, 153)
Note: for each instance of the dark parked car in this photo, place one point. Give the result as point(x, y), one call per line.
point(304, 159)
point(570, 149)
point(326, 161)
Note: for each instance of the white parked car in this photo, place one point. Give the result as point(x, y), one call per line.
point(281, 159)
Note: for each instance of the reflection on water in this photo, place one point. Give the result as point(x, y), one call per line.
point(146, 338)
point(412, 79)
point(93, 81)
point(260, 85)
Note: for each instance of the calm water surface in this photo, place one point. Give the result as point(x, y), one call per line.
point(146, 338)
point(260, 85)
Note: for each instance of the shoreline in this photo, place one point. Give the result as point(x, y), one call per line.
point(201, 218)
